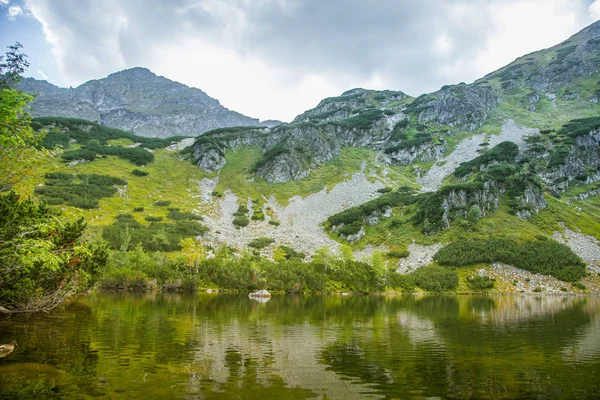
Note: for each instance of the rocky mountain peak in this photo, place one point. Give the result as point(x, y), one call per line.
point(139, 101)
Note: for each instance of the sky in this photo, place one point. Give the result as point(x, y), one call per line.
point(274, 59)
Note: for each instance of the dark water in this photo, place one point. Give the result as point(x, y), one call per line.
point(227, 346)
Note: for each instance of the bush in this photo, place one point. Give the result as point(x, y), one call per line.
point(241, 221)
point(505, 152)
point(138, 172)
point(481, 282)
point(127, 233)
point(152, 218)
point(138, 209)
point(241, 211)
point(43, 260)
point(182, 215)
point(274, 223)
point(261, 243)
point(162, 203)
point(270, 155)
point(83, 131)
point(82, 191)
point(398, 254)
point(538, 256)
point(435, 279)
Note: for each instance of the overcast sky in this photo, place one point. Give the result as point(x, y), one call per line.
point(273, 59)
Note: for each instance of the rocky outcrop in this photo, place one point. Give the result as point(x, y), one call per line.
point(139, 101)
point(583, 156)
point(531, 202)
point(461, 106)
point(342, 107)
point(469, 202)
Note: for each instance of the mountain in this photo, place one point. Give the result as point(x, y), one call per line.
point(544, 89)
point(139, 101)
point(500, 177)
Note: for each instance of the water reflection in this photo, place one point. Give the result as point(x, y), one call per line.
point(209, 346)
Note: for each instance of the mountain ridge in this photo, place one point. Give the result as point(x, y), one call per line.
point(139, 101)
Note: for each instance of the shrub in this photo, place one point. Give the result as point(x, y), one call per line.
point(82, 191)
point(398, 254)
point(158, 236)
point(435, 279)
point(261, 243)
point(269, 155)
point(539, 256)
point(151, 218)
point(182, 215)
point(241, 211)
point(273, 222)
point(241, 221)
point(138, 209)
point(291, 253)
point(481, 282)
point(505, 152)
point(162, 203)
point(139, 172)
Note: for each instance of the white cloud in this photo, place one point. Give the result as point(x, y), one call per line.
point(276, 58)
point(4, 2)
point(14, 12)
point(42, 74)
point(594, 10)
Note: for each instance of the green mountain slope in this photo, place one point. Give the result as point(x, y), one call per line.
point(504, 171)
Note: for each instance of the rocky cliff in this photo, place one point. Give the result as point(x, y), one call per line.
point(138, 101)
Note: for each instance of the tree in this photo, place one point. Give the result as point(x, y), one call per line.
point(42, 262)
point(42, 259)
point(18, 155)
point(194, 253)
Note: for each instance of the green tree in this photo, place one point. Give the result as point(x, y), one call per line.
point(18, 155)
point(42, 259)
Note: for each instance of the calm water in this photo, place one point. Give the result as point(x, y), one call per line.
point(228, 346)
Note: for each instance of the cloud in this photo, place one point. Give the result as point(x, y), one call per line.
point(594, 10)
point(276, 58)
point(42, 74)
point(4, 2)
point(14, 12)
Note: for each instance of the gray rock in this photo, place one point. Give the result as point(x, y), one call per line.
point(139, 101)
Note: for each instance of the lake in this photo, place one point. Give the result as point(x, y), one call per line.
point(223, 346)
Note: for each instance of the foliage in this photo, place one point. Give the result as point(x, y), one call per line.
point(81, 191)
point(241, 221)
point(579, 127)
point(364, 120)
point(18, 157)
point(126, 233)
point(183, 215)
point(135, 155)
point(138, 172)
point(435, 279)
point(42, 259)
point(504, 152)
point(271, 154)
point(63, 130)
point(418, 140)
point(540, 256)
point(398, 254)
point(162, 203)
point(261, 243)
point(477, 282)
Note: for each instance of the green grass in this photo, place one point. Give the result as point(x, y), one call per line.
point(236, 173)
point(169, 180)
